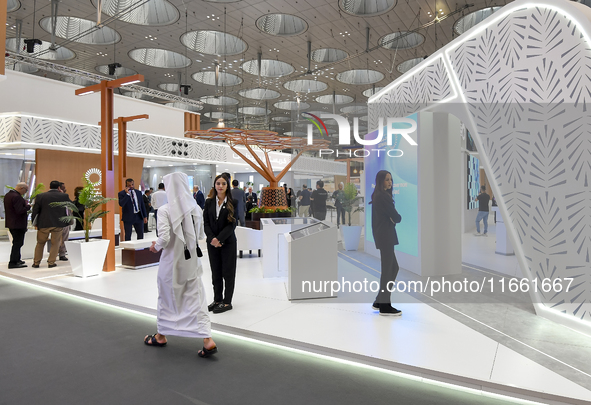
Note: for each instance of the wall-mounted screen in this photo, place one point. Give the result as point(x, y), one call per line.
point(404, 178)
point(473, 181)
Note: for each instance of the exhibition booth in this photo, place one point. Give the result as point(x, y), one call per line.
point(287, 277)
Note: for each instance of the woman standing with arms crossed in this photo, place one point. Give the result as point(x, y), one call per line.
point(181, 294)
point(384, 218)
point(220, 224)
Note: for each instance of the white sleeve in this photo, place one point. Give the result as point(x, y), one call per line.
point(163, 230)
point(199, 230)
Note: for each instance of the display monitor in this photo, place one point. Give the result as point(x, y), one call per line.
point(404, 172)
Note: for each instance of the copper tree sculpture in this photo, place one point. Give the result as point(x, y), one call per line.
point(267, 141)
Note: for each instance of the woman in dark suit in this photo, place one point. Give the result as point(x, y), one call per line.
point(384, 218)
point(80, 207)
point(219, 222)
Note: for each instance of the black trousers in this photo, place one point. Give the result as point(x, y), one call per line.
point(223, 271)
point(156, 220)
point(320, 215)
point(340, 212)
point(18, 240)
point(138, 225)
point(389, 272)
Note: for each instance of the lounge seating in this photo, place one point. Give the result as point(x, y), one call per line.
point(249, 239)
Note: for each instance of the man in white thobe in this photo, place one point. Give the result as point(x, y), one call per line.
point(182, 309)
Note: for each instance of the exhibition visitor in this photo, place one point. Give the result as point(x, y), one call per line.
point(482, 215)
point(240, 197)
point(47, 221)
point(384, 218)
point(339, 197)
point(318, 201)
point(158, 200)
point(181, 295)
point(304, 198)
point(16, 211)
point(81, 207)
point(66, 229)
point(220, 223)
point(133, 210)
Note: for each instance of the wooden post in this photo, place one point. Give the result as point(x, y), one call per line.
point(122, 163)
point(108, 171)
point(3, 8)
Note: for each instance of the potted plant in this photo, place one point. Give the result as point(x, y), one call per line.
point(86, 256)
point(351, 234)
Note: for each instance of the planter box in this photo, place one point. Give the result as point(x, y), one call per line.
point(351, 236)
point(87, 258)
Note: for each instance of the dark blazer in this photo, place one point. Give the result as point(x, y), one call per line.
point(200, 198)
point(49, 217)
point(238, 195)
point(384, 218)
point(16, 208)
point(254, 197)
point(220, 228)
point(127, 214)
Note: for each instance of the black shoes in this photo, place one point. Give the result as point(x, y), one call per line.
point(35, 266)
point(51, 266)
point(17, 265)
point(219, 308)
point(375, 306)
point(211, 306)
point(389, 310)
point(63, 258)
point(21, 262)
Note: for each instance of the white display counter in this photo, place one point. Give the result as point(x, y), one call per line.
point(503, 245)
point(312, 260)
point(274, 244)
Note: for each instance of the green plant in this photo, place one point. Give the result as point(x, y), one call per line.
point(250, 183)
point(92, 201)
point(351, 200)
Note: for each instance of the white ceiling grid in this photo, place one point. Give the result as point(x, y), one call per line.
point(328, 27)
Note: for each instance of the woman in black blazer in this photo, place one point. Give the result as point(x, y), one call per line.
point(221, 243)
point(384, 218)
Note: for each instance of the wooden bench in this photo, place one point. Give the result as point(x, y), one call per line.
point(136, 254)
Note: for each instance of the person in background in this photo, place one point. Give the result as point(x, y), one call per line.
point(220, 224)
point(148, 205)
point(249, 205)
point(318, 201)
point(482, 215)
point(133, 212)
point(47, 220)
point(253, 195)
point(285, 191)
point(80, 207)
point(199, 197)
point(159, 198)
point(290, 197)
point(181, 294)
point(66, 231)
point(304, 209)
point(384, 218)
point(238, 195)
point(339, 197)
point(16, 211)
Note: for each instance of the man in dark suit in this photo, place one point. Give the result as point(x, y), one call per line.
point(148, 206)
point(133, 210)
point(240, 209)
point(47, 220)
point(253, 195)
point(16, 208)
point(199, 197)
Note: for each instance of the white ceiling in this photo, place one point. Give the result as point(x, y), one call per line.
point(328, 27)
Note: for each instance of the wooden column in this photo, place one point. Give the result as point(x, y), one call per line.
point(122, 160)
point(192, 122)
point(3, 8)
point(108, 171)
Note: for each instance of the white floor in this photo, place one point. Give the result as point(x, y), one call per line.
point(422, 337)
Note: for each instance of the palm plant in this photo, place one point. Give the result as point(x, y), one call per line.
point(351, 200)
point(92, 201)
